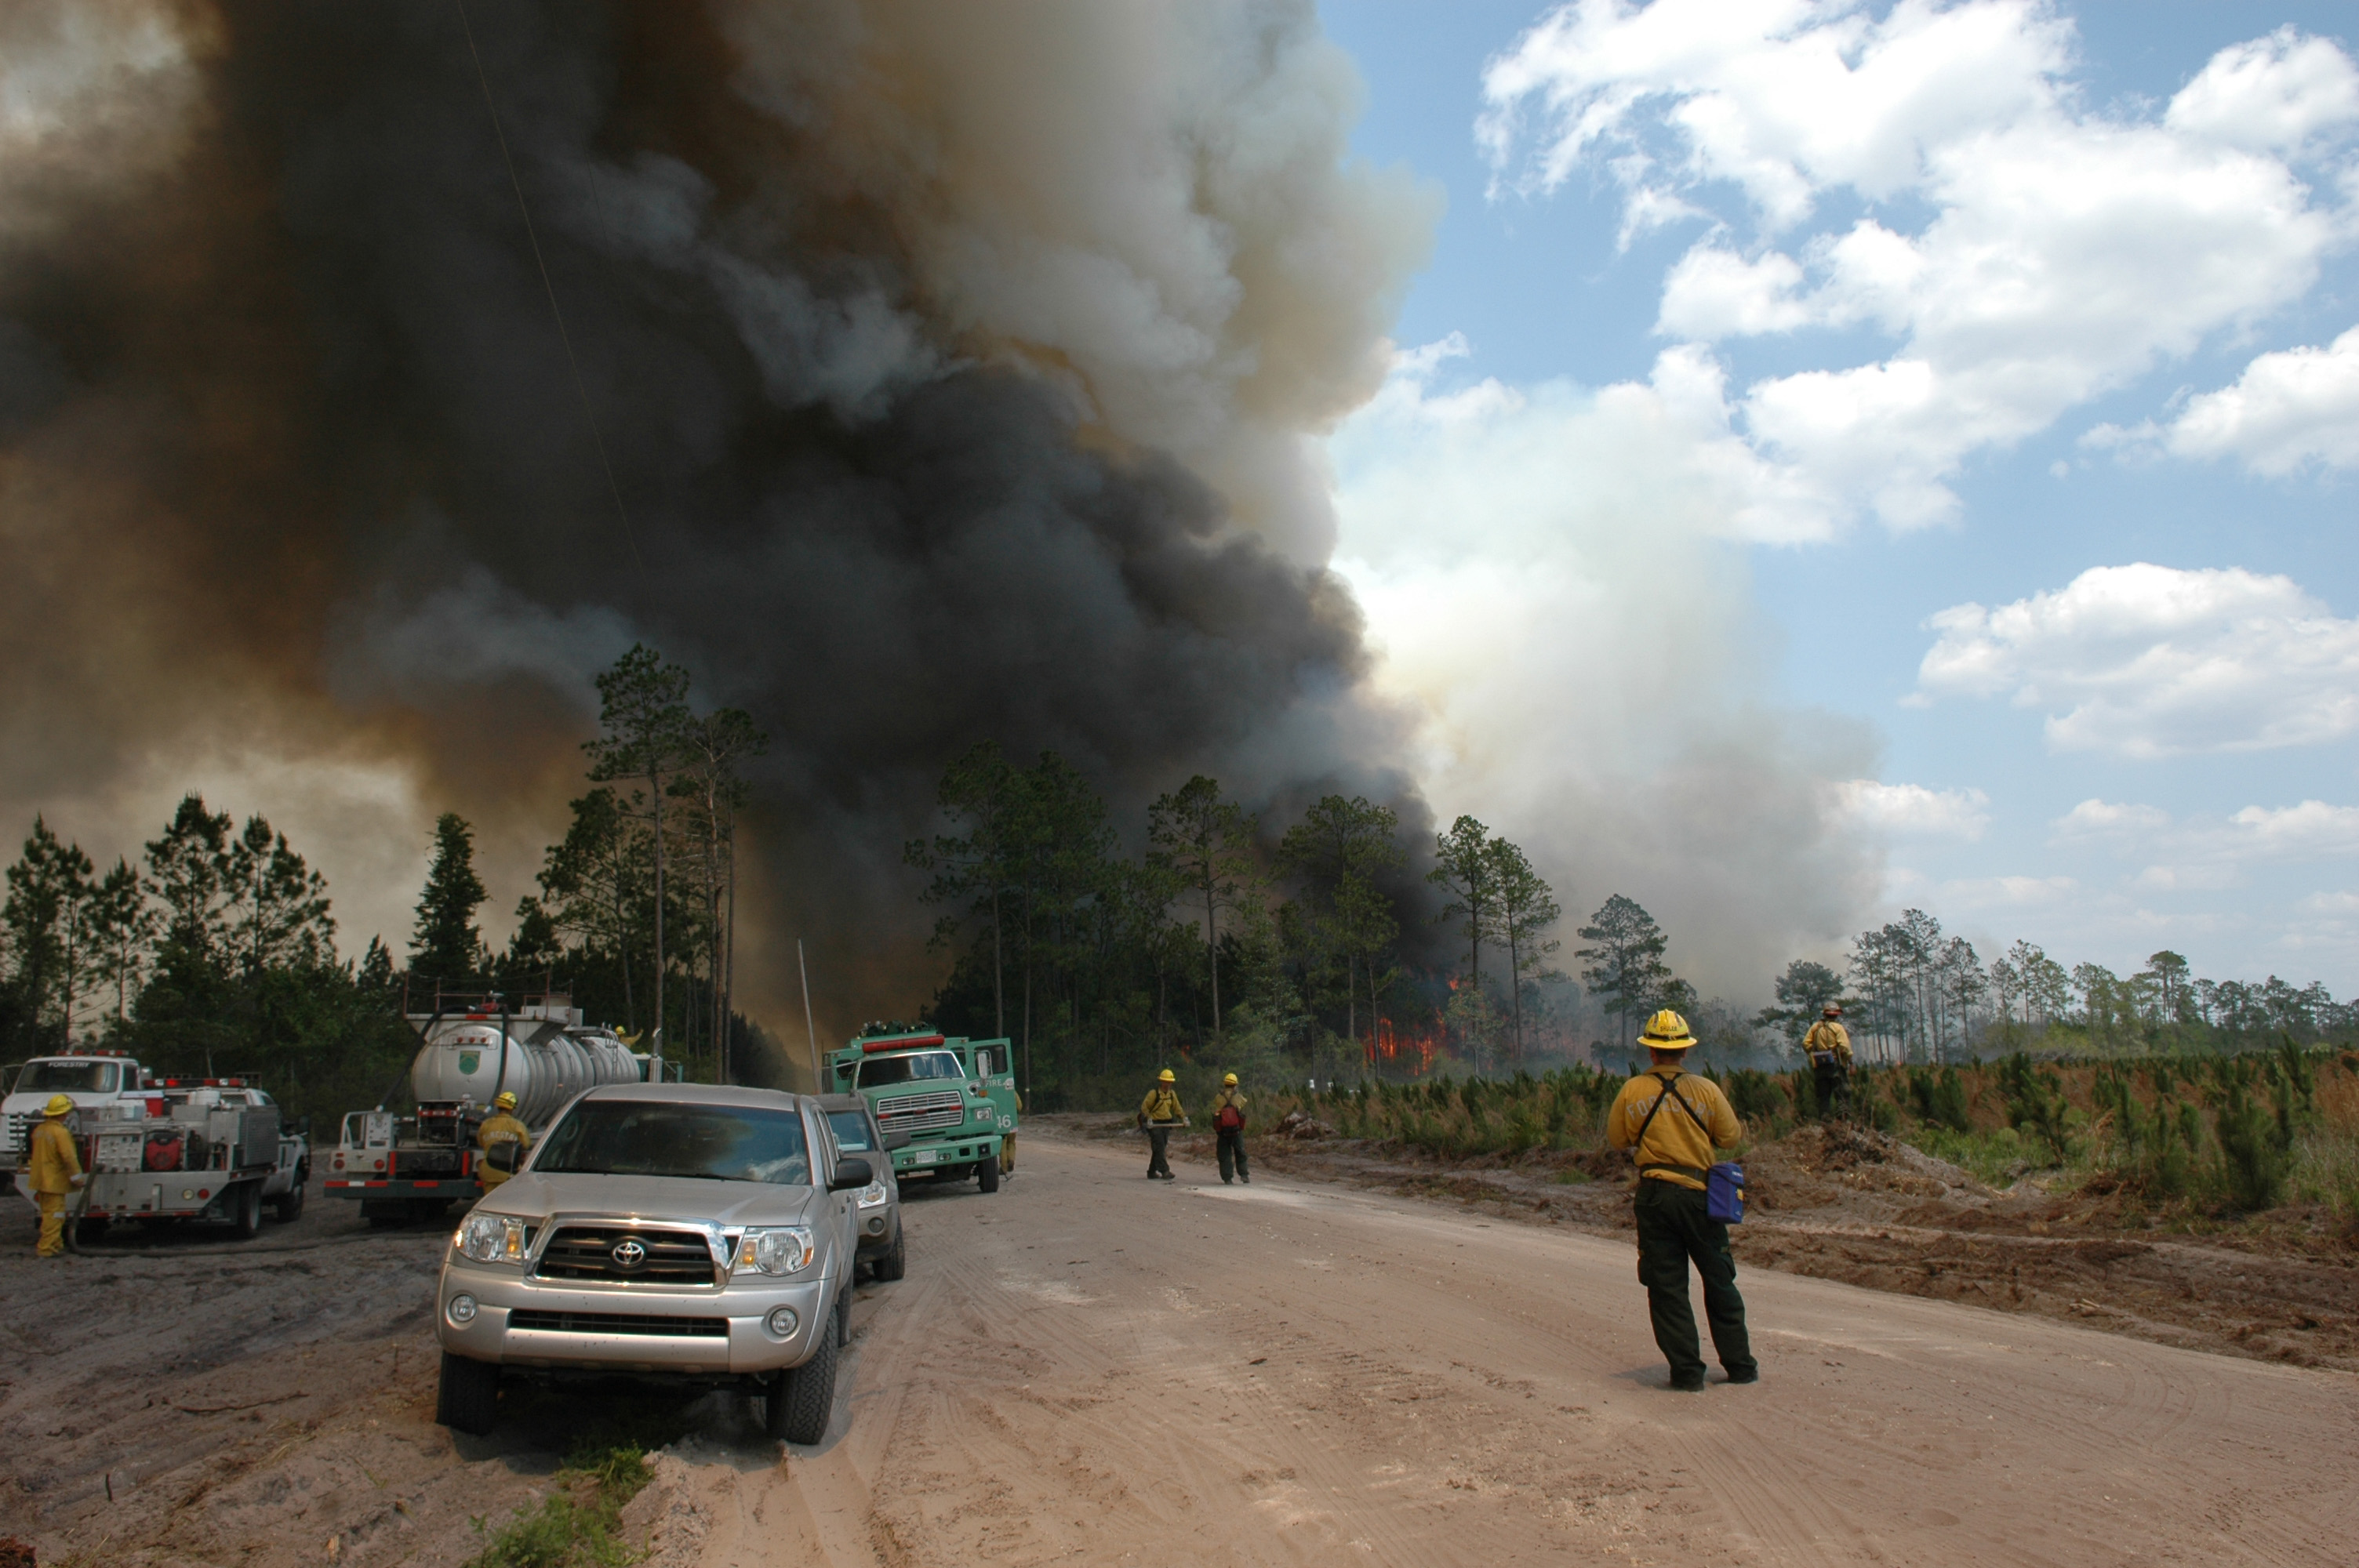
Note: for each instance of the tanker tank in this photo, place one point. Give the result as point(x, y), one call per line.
point(543, 1062)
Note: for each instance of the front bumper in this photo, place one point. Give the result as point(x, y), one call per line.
point(748, 1347)
point(952, 1150)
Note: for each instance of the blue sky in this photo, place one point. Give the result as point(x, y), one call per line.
point(2107, 765)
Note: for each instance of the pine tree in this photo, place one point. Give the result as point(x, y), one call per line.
point(1525, 908)
point(1208, 841)
point(1628, 950)
point(445, 947)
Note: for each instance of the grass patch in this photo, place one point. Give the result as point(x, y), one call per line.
point(1993, 1156)
point(1571, 1176)
point(579, 1525)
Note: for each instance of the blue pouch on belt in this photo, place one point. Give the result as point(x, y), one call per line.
point(1724, 1193)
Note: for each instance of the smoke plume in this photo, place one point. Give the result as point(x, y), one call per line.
point(953, 366)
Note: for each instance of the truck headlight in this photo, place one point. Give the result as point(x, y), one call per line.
point(784, 1251)
point(873, 1194)
point(493, 1238)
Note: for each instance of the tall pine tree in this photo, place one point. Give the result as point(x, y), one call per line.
point(445, 945)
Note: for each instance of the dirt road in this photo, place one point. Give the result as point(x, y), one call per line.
point(1089, 1368)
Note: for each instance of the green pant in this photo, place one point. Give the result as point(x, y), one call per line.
point(1674, 1230)
point(1159, 1152)
point(1229, 1147)
point(1833, 1084)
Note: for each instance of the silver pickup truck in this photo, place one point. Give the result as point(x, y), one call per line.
point(684, 1231)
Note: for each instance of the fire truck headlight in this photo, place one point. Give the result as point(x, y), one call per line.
point(461, 1310)
point(493, 1238)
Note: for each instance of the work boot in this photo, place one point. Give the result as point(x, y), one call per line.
point(1688, 1385)
point(1245, 1179)
point(1750, 1374)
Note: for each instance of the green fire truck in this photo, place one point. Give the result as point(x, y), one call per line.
point(955, 1098)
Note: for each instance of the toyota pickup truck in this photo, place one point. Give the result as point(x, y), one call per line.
point(689, 1232)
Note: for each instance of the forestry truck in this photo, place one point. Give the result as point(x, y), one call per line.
point(954, 1097)
point(159, 1149)
point(411, 1167)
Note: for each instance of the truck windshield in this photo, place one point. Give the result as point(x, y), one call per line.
point(878, 1071)
point(67, 1077)
point(851, 1131)
point(662, 1138)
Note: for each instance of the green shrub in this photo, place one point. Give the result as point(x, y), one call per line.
point(1940, 1098)
point(2034, 1103)
point(2255, 1152)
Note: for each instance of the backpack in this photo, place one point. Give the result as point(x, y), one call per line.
point(1229, 1119)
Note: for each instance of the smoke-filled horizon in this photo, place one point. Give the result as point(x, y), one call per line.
point(955, 371)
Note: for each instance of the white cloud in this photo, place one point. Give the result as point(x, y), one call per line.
point(1913, 809)
point(2146, 661)
point(2007, 893)
point(2298, 832)
point(2066, 250)
point(2095, 818)
point(2271, 93)
point(2289, 409)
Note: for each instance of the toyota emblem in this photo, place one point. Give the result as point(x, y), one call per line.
point(628, 1255)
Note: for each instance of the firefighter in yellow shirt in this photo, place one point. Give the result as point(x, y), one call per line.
point(503, 1138)
point(1671, 1122)
point(1158, 1113)
point(1828, 1045)
point(56, 1172)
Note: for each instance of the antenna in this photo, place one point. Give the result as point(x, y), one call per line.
point(819, 1075)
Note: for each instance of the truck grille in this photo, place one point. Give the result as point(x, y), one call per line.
point(587, 1252)
point(620, 1323)
point(12, 1133)
point(921, 1113)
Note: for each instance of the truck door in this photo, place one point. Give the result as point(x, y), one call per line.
point(994, 1065)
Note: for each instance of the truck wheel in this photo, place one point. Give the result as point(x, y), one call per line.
point(246, 1218)
point(986, 1173)
point(893, 1264)
point(468, 1395)
point(288, 1205)
point(802, 1397)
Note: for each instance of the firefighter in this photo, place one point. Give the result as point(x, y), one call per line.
point(1158, 1113)
point(56, 1172)
point(1671, 1122)
point(1828, 1045)
point(501, 1130)
point(1229, 1130)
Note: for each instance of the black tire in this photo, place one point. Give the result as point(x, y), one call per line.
point(894, 1262)
point(986, 1173)
point(288, 1205)
point(467, 1397)
point(801, 1398)
point(245, 1219)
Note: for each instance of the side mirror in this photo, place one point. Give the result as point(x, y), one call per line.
point(897, 1139)
point(303, 1127)
point(850, 1174)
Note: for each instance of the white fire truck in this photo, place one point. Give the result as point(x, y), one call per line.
point(407, 1168)
point(163, 1149)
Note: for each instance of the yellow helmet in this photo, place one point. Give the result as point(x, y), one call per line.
point(1667, 1031)
point(58, 1106)
point(506, 1099)
point(1229, 1080)
point(1168, 1077)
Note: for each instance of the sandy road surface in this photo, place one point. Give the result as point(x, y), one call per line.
point(1091, 1368)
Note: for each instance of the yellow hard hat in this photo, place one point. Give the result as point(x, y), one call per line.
point(58, 1106)
point(1667, 1031)
point(1167, 1075)
point(506, 1100)
point(1228, 1077)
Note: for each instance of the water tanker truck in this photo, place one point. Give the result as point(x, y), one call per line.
point(954, 1097)
point(404, 1168)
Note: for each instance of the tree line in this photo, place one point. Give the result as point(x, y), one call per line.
point(1914, 993)
point(214, 952)
point(1288, 946)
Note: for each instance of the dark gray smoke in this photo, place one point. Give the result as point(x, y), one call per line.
point(952, 365)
